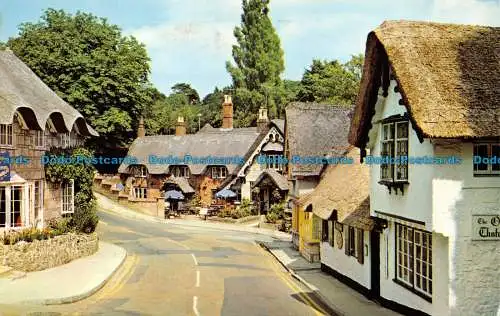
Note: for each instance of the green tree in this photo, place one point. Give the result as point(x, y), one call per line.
point(258, 64)
point(188, 91)
point(88, 62)
point(332, 82)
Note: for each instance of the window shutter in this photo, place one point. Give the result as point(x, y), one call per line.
point(360, 246)
point(346, 241)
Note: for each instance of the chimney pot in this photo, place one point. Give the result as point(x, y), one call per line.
point(141, 131)
point(227, 112)
point(263, 120)
point(180, 126)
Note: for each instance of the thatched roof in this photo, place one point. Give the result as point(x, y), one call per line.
point(21, 90)
point(182, 183)
point(447, 75)
point(217, 144)
point(278, 179)
point(344, 189)
point(314, 130)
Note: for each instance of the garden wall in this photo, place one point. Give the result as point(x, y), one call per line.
point(43, 254)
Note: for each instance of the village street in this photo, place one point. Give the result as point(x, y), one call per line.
point(178, 270)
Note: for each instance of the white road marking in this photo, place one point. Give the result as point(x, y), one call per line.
point(195, 306)
point(194, 259)
point(197, 278)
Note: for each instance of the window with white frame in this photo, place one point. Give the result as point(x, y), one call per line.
point(65, 140)
point(394, 146)
point(38, 201)
point(483, 160)
point(39, 139)
point(6, 134)
point(140, 193)
point(68, 197)
point(3, 206)
point(140, 171)
point(414, 259)
point(16, 206)
point(219, 172)
point(180, 171)
point(272, 162)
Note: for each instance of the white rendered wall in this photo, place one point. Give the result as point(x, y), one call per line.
point(253, 174)
point(348, 266)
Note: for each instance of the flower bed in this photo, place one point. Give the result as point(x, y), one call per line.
point(47, 253)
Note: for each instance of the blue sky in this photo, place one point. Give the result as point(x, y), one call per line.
point(190, 40)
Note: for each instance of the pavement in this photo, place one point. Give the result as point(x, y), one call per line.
point(82, 278)
point(339, 297)
point(109, 205)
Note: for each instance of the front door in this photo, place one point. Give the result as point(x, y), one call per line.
point(375, 264)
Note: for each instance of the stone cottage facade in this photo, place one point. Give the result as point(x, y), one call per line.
point(32, 120)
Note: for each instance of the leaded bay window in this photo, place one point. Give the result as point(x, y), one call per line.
point(414, 259)
point(484, 159)
point(39, 139)
point(273, 162)
point(6, 134)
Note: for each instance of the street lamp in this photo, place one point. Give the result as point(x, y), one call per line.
point(199, 118)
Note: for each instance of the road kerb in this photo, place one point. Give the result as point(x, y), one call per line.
point(311, 287)
point(81, 296)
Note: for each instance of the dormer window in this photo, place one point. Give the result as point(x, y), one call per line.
point(140, 171)
point(486, 160)
point(6, 134)
point(394, 152)
point(180, 171)
point(273, 162)
point(219, 172)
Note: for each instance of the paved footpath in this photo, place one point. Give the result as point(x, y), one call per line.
point(338, 296)
point(68, 283)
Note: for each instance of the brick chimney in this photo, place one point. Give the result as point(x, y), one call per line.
point(180, 126)
point(263, 120)
point(141, 131)
point(227, 112)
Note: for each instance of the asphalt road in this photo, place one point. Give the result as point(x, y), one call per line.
point(177, 270)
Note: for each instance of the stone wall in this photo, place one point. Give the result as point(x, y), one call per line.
point(43, 254)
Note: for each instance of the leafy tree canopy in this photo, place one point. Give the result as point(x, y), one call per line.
point(88, 62)
point(332, 82)
point(258, 64)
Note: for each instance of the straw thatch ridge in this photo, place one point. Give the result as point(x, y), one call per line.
point(447, 75)
point(344, 189)
point(23, 91)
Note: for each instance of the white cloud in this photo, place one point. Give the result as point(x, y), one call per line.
point(485, 12)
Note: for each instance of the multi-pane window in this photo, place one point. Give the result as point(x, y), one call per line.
point(180, 171)
point(219, 172)
point(482, 160)
point(394, 147)
point(141, 193)
point(3, 207)
point(65, 140)
point(16, 205)
point(272, 162)
point(351, 245)
point(354, 245)
point(325, 231)
point(414, 258)
point(6, 134)
point(38, 201)
point(317, 222)
point(68, 194)
point(39, 139)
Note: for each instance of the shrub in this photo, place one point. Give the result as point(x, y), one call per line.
point(276, 212)
point(85, 217)
point(31, 234)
